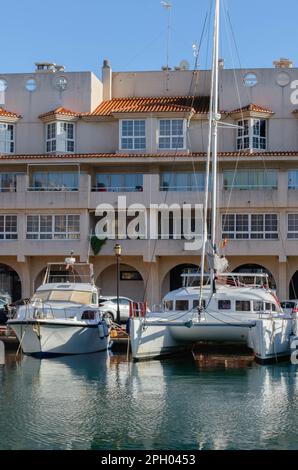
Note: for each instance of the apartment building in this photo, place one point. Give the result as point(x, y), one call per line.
point(70, 141)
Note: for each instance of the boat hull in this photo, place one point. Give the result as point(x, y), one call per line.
point(154, 339)
point(44, 339)
point(271, 339)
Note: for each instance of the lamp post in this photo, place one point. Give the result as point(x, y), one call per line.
point(117, 251)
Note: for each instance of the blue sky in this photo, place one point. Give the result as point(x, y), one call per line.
point(132, 33)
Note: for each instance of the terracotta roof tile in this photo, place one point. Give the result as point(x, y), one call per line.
point(292, 153)
point(5, 113)
point(152, 105)
point(252, 107)
point(61, 111)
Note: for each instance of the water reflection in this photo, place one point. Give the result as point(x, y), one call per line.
point(99, 401)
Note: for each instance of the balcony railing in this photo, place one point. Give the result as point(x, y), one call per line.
point(117, 189)
point(53, 188)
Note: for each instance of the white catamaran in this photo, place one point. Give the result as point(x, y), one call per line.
point(225, 307)
point(62, 317)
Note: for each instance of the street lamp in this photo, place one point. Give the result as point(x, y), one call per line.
point(117, 251)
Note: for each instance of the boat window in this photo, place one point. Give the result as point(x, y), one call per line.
point(80, 297)
point(94, 298)
point(273, 308)
point(287, 304)
point(181, 304)
point(88, 315)
point(168, 305)
point(195, 303)
point(242, 305)
point(257, 306)
point(224, 305)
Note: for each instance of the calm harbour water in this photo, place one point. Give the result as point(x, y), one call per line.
point(103, 402)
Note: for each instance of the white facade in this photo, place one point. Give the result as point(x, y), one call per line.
point(63, 189)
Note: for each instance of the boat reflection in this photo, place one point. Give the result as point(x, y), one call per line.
point(99, 401)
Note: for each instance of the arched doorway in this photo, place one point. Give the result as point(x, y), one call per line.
point(10, 282)
point(293, 288)
point(173, 280)
point(256, 269)
point(131, 282)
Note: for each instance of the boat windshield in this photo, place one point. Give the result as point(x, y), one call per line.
point(80, 297)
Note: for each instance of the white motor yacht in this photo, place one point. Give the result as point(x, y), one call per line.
point(62, 317)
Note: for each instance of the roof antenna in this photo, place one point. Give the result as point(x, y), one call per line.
point(168, 7)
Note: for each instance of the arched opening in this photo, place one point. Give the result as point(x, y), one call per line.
point(257, 269)
point(131, 283)
point(57, 275)
point(10, 283)
point(293, 288)
point(173, 280)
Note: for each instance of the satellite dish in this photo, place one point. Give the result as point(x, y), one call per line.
point(184, 65)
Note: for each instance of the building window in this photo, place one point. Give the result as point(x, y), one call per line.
point(252, 135)
point(60, 137)
point(7, 138)
point(54, 181)
point(119, 182)
point(172, 134)
point(182, 181)
point(53, 227)
point(250, 226)
point(250, 179)
point(8, 227)
point(293, 226)
point(133, 134)
point(293, 179)
point(8, 182)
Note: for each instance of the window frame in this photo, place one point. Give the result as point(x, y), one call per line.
point(293, 186)
point(133, 136)
point(172, 136)
point(109, 187)
point(174, 184)
point(5, 234)
point(248, 136)
point(57, 142)
point(250, 175)
point(250, 233)
point(292, 232)
point(52, 233)
point(46, 176)
point(12, 186)
point(11, 142)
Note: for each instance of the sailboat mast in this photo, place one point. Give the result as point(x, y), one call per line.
point(215, 118)
point(212, 146)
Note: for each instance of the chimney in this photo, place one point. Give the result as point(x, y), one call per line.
point(107, 80)
point(283, 63)
point(221, 63)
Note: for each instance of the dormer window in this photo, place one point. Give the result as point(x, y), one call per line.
point(133, 134)
point(7, 130)
point(172, 134)
point(252, 134)
point(7, 138)
point(60, 137)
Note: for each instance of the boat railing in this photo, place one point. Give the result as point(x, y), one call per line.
point(73, 272)
point(192, 278)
